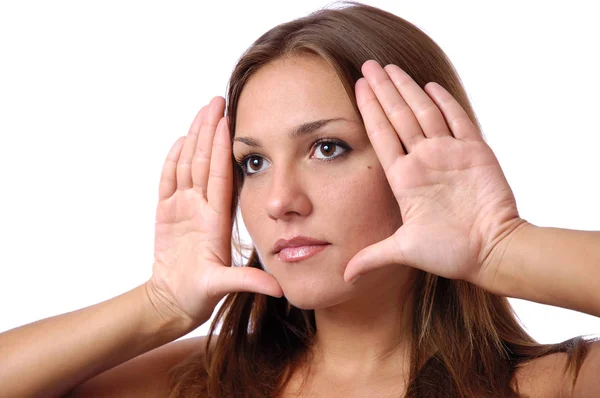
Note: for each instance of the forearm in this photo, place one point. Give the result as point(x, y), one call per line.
point(554, 266)
point(51, 356)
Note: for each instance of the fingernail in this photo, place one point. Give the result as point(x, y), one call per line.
point(354, 278)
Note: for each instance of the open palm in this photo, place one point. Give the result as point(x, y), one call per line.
point(455, 202)
point(192, 268)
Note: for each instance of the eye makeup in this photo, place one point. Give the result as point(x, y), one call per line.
point(243, 160)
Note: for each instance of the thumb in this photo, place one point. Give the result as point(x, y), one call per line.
point(375, 256)
point(245, 279)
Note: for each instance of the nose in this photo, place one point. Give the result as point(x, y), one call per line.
point(287, 197)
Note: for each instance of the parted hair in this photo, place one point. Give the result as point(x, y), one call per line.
point(466, 342)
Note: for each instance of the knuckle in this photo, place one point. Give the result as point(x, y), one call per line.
point(400, 80)
point(201, 157)
point(183, 167)
point(398, 110)
point(379, 127)
point(365, 100)
point(425, 110)
point(456, 122)
point(379, 82)
point(218, 175)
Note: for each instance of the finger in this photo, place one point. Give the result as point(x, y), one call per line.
point(385, 142)
point(423, 108)
point(396, 109)
point(245, 279)
point(461, 125)
point(374, 257)
point(203, 150)
point(184, 178)
point(168, 176)
point(221, 174)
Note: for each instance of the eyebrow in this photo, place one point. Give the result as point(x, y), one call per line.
point(295, 132)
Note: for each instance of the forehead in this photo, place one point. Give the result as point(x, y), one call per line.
point(290, 91)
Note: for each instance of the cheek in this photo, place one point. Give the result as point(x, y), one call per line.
point(254, 215)
point(354, 204)
point(248, 209)
point(365, 206)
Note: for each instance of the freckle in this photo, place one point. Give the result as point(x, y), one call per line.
point(369, 167)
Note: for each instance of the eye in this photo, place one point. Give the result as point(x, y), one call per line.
point(329, 149)
point(252, 164)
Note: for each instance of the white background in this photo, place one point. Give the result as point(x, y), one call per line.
point(92, 97)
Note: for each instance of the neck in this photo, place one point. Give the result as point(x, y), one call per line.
point(371, 334)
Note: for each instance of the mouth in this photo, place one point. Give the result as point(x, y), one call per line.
point(298, 248)
point(295, 254)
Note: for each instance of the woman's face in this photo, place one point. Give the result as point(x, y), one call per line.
point(311, 172)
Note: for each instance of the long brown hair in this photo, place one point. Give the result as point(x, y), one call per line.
point(465, 341)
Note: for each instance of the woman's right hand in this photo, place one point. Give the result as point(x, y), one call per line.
point(192, 268)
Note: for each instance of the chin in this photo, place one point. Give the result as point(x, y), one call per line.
point(317, 297)
point(314, 284)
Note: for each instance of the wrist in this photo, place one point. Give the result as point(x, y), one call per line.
point(498, 273)
point(163, 316)
point(552, 266)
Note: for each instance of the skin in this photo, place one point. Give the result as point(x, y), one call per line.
point(458, 215)
point(458, 220)
point(297, 192)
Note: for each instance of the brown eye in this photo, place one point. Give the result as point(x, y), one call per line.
point(253, 164)
point(328, 150)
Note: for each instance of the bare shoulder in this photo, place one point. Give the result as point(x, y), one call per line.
point(145, 375)
point(542, 377)
point(546, 376)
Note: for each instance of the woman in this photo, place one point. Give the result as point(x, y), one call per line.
point(386, 177)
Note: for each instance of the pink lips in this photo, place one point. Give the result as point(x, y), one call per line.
point(298, 248)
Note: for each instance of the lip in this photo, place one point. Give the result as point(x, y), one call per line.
point(296, 241)
point(295, 254)
point(298, 248)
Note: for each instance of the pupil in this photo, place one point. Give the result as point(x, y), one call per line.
point(327, 149)
point(255, 163)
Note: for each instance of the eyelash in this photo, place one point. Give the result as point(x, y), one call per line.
point(243, 159)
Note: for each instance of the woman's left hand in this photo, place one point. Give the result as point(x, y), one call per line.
point(457, 207)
